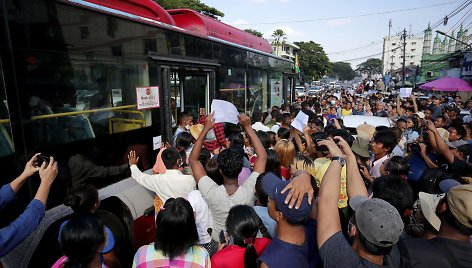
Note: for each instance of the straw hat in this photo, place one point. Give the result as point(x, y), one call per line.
point(195, 130)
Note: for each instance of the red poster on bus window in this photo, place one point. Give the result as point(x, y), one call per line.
point(147, 97)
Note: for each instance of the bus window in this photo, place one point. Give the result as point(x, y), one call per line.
point(257, 91)
point(6, 143)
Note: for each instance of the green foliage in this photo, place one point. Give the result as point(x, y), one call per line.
point(191, 4)
point(343, 71)
point(370, 66)
point(254, 32)
point(314, 63)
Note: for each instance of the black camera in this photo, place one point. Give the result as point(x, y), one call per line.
point(415, 148)
point(40, 159)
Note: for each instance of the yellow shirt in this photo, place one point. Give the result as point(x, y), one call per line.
point(346, 112)
point(321, 165)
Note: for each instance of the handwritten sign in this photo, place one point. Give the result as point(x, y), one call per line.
point(147, 97)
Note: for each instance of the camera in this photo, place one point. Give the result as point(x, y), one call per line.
point(40, 159)
point(415, 148)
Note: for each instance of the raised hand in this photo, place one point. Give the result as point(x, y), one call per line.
point(48, 171)
point(132, 159)
point(244, 120)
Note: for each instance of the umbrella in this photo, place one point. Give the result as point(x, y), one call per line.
point(447, 84)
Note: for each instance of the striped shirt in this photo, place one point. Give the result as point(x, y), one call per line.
point(148, 257)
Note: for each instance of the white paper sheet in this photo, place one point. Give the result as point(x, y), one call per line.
point(224, 111)
point(300, 121)
point(405, 92)
point(156, 142)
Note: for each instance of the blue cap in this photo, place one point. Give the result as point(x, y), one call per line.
point(273, 185)
point(447, 184)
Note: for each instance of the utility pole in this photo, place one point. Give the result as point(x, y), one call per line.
point(389, 27)
point(404, 52)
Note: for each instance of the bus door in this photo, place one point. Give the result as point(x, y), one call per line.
point(185, 87)
point(195, 94)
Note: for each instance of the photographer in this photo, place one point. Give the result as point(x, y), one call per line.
point(422, 157)
point(26, 223)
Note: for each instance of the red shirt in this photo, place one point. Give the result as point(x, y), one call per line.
point(233, 256)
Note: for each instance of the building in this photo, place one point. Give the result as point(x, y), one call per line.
point(393, 52)
point(285, 49)
point(438, 54)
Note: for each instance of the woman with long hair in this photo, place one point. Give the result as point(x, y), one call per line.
point(176, 239)
point(84, 199)
point(82, 240)
point(243, 248)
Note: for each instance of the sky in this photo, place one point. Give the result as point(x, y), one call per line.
point(347, 29)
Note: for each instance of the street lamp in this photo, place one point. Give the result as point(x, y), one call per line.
point(453, 38)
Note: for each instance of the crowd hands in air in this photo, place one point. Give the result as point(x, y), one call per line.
point(265, 194)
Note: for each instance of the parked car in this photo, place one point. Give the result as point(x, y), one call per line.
point(351, 122)
point(300, 90)
point(314, 90)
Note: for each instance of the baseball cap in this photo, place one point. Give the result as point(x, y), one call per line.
point(429, 202)
point(360, 146)
point(447, 184)
point(459, 200)
point(273, 185)
point(377, 220)
point(365, 131)
point(420, 115)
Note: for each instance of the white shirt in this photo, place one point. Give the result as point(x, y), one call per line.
point(375, 166)
point(170, 184)
point(275, 127)
point(398, 151)
point(259, 126)
point(220, 202)
point(203, 217)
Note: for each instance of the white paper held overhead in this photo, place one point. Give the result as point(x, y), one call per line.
point(300, 121)
point(224, 111)
point(405, 92)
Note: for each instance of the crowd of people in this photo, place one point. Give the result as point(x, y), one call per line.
point(266, 194)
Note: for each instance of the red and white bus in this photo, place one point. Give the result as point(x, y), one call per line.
point(70, 76)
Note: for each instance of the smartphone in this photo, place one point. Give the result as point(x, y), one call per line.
point(40, 159)
point(222, 237)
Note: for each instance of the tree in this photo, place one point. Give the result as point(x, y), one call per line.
point(314, 63)
point(343, 71)
point(191, 4)
point(254, 32)
point(370, 66)
point(279, 40)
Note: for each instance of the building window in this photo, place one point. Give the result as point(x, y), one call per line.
point(394, 44)
point(413, 49)
point(413, 43)
point(412, 63)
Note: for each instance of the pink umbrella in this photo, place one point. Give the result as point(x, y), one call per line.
point(447, 84)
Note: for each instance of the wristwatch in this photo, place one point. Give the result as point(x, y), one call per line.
point(340, 159)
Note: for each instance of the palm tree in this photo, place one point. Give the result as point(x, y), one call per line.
point(279, 40)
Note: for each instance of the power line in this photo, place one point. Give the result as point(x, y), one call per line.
point(460, 21)
point(355, 16)
point(451, 14)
